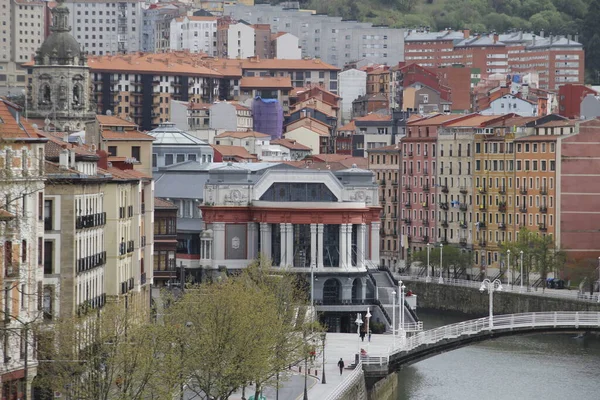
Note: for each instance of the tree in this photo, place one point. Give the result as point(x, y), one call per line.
point(583, 270)
point(108, 356)
point(452, 256)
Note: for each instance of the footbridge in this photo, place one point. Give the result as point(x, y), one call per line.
point(409, 350)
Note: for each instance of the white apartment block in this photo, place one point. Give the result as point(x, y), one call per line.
point(156, 31)
point(22, 26)
point(107, 27)
point(236, 41)
point(194, 33)
point(286, 47)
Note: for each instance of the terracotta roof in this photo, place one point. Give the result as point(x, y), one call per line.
point(557, 124)
point(279, 64)
point(172, 63)
point(55, 145)
point(198, 106)
point(330, 157)
point(290, 144)
point(109, 134)
point(538, 138)
point(162, 203)
point(259, 82)
point(385, 149)
point(242, 135)
point(233, 151)
point(111, 120)
point(374, 117)
point(360, 162)
point(126, 174)
point(350, 126)
point(10, 128)
point(278, 34)
point(474, 120)
point(434, 120)
point(309, 123)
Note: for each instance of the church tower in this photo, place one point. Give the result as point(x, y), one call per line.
point(60, 86)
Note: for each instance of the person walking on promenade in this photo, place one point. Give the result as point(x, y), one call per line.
point(341, 365)
point(362, 335)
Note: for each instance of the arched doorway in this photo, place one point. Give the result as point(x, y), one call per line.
point(332, 292)
point(357, 291)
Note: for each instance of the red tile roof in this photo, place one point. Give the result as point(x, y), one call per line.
point(290, 144)
point(109, 134)
point(350, 126)
point(233, 151)
point(374, 117)
point(259, 82)
point(10, 128)
point(162, 203)
point(111, 120)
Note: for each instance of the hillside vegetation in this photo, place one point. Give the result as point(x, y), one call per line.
point(557, 17)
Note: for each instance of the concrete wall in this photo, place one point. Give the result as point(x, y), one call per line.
point(358, 391)
point(385, 389)
point(471, 301)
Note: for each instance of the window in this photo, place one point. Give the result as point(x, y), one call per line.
point(191, 157)
point(48, 257)
point(154, 160)
point(168, 159)
point(135, 152)
point(112, 151)
point(180, 158)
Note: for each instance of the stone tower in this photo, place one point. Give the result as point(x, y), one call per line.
point(60, 88)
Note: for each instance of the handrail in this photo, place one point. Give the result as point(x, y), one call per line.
point(347, 383)
point(575, 319)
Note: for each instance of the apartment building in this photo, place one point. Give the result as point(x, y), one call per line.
point(165, 243)
point(196, 34)
point(266, 88)
point(330, 39)
point(21, 247)
point(23, 31)
point(384, 162)
point(432, 49)
point(235, 40)
point(285, 46)
point(353, 84)
point(156, 30)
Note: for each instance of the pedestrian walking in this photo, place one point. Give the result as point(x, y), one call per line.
point(370, 336)
point(341, 365)
point(362, 335)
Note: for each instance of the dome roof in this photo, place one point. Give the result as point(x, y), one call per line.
point(61, 45)
point(168, 134)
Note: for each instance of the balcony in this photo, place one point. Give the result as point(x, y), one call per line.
point(482, 190)
point(411, 172)
point(482, 207)
point(543, 190)
point(130, 246)
point(502, 226)
point(143, 241)
point(502, 190)
point(482, 243)
point(543, 227)
point(462, 207)
point(444, 206)
point(463, 225)
point(425, 222)
point(426, 187)
point(502, 207)
point(444, 188)
point(90, 221)
point(408, 154)
point(425, 172)
point(143, 208)
point(425, 205)
point(394, 183)
point(425, 239)
point(523, 210)
point(463, 190)
point(130, 211)
point(407, 221)
point(90, 262)
point(122, 248)
point(462, 241)
point(444, 224)
point(143, 278)
point(523, 190)
point(425, 154)
point(407, 204)
point(409, 238)
point(543, 209)
point(11, 270)
point(481, 224)
point(407, 188)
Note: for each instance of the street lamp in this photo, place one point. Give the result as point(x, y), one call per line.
point(401, 288)
point(394, 314)
point(508, 280)
point(323, 337)
point(368, 316)
point(305, 368)
point(428, 279)
point(521, 289)
point(358, 323)
point(441, 264)
point(491, 287)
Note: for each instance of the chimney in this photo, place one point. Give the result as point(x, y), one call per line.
point(496, 37)
point(63, 159)
point(103, 161)
point(466, 33)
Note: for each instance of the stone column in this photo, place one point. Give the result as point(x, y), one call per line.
point(364, 288)
point(283, 242)
point(313, 245)
point(375, 242)
point(290, 245)
point(265, 249)
point(252, 241)
point(361, 246)
point(320, 229)
point(343, 246)
point(219, 241)
point(349, 244)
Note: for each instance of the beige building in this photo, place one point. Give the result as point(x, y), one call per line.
point(21, 246)
point(252, 141)
point(22, 33)
point(309, 132)
point(384, 162)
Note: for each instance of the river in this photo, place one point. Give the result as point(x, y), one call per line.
point(544, 367)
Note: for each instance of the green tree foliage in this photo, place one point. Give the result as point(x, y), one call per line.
point(453, 258)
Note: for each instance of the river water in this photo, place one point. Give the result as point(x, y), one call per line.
point(545, 367)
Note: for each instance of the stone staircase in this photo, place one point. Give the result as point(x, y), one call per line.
point(385, 286)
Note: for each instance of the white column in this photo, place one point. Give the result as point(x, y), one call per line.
point(219, 241)
point(313, 245)
point(265, 239)
point(252, 240)
point(360, 246)
point(375, 242)
point(364, 289)
point(320, 228)
point(349, 245)
point(290, 245)
point(343, 245)
point(283, 247)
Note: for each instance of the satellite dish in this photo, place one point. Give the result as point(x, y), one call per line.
point(108, 112)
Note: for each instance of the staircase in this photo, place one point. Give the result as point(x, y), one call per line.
point(386, 284)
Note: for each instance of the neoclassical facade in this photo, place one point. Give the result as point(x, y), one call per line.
point(59, 80)
point(301, 219)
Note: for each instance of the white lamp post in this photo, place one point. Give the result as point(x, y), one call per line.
point(508, 268)
point(358, 323)
point(368, 316)
point(491, 287)
point(441, 263)
point(428, 279)
point(394, 314)
point(312, 291)
point(521, 289)
point(401, 288)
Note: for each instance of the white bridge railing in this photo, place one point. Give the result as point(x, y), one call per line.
point(352, 378)
point(583, 319)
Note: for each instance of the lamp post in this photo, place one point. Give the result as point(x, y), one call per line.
point(491, 287)
point(394, 314)
point(401, 288)
point(358, 323)
point(441, 263)
point(25, 95)
point(323, 337)
point(368, 316)
point(508, 280)
point(305, 377)
point(521, 289)
point(312, 290)
point(428, 279)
